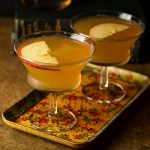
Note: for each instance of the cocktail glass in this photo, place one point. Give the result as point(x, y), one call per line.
point(114, 34)
point(55, 78)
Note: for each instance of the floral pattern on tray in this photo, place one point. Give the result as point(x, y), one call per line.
point(92, 117)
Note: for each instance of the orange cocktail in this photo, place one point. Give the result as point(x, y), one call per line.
point(54, 62)
point(113, 36)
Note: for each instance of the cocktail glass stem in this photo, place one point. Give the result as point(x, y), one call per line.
point(104, 82)
point(53, 110)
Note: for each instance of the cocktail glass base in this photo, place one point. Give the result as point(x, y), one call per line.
point(63, 120)
point(113, 93)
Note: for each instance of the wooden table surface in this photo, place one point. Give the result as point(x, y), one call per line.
point(132, 132)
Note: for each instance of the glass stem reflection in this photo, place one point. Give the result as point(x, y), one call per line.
point(52, 104)
point(103, 78)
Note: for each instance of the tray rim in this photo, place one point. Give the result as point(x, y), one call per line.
point(71, 143)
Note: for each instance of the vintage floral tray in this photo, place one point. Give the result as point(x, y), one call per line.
point(93, 118)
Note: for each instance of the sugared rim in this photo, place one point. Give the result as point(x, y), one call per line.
point(74, 36)
point(122, 15)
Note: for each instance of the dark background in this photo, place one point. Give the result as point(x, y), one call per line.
point(138, 8)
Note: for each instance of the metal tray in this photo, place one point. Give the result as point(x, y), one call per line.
point(93, 118)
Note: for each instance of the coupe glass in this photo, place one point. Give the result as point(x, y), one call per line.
point(55, 78)
point(114, 34)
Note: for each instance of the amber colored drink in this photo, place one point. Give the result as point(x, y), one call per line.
point(72, 55)
point(113, 49)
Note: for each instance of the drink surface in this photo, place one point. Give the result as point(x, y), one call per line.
point(64, 49)
point(114, 47)
point(60, 62)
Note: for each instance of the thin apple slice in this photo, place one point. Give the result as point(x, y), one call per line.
point(106, 29)
point(40, 52)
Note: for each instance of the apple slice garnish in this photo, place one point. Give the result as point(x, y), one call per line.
point(105, 30)
point(40, 52)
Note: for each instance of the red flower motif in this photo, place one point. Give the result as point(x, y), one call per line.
point(69, 122)
point(78, 136)
point(85, 128)
point(38, 111)
point(97, 76)
point(44, 103)
point(72, 97)
point(77, 113)
point(43, 121)
point(103, 110)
